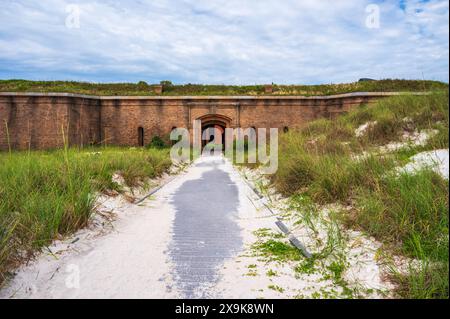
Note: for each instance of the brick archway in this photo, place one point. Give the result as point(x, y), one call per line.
point(214, 123)
point(218, 119)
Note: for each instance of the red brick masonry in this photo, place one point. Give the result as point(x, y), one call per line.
point(45, 120)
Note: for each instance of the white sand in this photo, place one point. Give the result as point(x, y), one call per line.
point(127, 262)
point(408, 140)
point(362, 129)
point(364, 271)
point(436, 160)
point(127, 257)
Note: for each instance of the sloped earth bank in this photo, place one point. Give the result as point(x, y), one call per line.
point(200, 236)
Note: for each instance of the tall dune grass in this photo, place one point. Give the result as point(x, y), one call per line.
point(47, 194)
point(408, 213)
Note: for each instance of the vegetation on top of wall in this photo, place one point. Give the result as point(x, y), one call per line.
point(143, 89)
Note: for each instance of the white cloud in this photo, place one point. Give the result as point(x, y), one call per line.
point(223, 41)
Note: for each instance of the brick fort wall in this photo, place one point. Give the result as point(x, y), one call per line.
point(48, 120)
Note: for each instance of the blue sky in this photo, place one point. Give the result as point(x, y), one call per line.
point(223, 41)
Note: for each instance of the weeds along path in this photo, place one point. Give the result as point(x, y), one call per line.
point(173, 244)
point(205, 234)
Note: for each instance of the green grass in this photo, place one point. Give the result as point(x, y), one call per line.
point(408, 213)
point(276, 288)
point(51, 193)
point(277, 250)
point(142, 88)
point(411, 211)
point(306, 267)
point(271, 273)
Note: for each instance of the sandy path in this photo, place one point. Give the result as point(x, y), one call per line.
point(127, 262)
point(192, 239)
point(172, 245)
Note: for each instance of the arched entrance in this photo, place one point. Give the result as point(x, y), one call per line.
point(213, 133)
point(213, 129)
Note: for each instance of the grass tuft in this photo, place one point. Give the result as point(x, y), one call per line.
point(46, 194)
point(407, 212)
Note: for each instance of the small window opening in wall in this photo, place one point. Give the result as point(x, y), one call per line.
point(141, 136)
point(285, 129)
